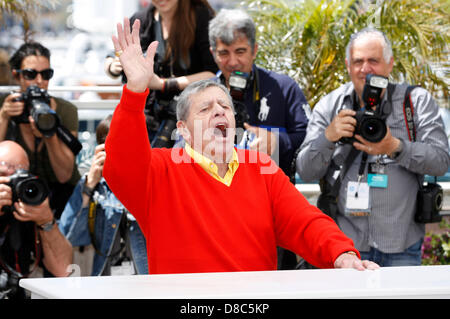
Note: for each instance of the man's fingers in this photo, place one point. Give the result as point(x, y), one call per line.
point(151, 51)
point(116, 43)
point(127, 31)
point(370, 265)
point(346, 112)
point(135, 32)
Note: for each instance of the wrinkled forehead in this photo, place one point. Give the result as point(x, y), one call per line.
point(209, 96)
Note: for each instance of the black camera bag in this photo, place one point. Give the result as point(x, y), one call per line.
point(430, 196)
point(429, 203)
point(327, 201)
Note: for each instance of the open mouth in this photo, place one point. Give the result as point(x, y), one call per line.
point(220, 130)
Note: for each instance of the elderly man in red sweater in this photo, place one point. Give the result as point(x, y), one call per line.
point(208, 207)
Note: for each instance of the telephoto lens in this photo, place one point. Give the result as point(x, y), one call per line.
point(46, 119)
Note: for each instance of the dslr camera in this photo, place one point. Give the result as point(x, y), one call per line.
point(239, 82)
point(37, 104)
point(27, 188)
point(368, 123)
point(166, 111)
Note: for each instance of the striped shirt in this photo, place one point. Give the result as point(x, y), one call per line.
point(390, 227)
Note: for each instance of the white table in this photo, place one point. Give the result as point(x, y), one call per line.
point(389, 282)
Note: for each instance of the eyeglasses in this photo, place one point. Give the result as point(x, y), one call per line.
point(5, 166)
point(31, 74)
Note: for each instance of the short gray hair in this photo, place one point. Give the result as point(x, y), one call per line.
point(184, 101)
point(370, 32)
point(229, 25)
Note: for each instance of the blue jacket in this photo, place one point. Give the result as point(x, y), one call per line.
point(282, 106)
point(74, 225)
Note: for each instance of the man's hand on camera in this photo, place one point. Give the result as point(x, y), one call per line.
point(387, 145)
point(265, 141)
point(343, 125)
point(40, 214)
point(5, 193)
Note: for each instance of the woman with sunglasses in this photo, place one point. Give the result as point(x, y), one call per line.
point(50, 158)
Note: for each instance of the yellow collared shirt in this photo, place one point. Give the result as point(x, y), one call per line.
point(211, 168)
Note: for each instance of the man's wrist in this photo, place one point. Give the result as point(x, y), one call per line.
point(397, 151)
point(48, 225)
point(351, 252)
point(87, 188)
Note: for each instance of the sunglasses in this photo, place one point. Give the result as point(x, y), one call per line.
point(31, 74)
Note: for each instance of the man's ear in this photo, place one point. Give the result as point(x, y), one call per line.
point(212, 53)
point(183, 131)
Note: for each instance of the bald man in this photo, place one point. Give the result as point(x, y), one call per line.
point(56, 249)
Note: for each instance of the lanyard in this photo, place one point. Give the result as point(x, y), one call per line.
point(362, 167)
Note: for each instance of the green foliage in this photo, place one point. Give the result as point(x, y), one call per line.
point(307, 40)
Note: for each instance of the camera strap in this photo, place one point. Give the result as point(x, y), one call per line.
point(14, 233)
point(337, 184)
point(408, 112)
point(71, 141)
point(256, 95)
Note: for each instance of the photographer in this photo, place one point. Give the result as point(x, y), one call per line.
point(379, 179)
point(274, 102)
point(28, 233)
point(50, 158)
point(95, 216)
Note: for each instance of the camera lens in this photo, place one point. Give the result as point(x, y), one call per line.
point(373, 129)
point(32, 191)
point(438, 202)
point(47, 122)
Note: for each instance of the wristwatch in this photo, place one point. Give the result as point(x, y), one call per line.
point(48, 225)
point(397, 151)
point(87, 190)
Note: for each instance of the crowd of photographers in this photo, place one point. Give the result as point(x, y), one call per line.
point(368, 154)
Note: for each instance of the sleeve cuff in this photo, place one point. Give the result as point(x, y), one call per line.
point(133, 101)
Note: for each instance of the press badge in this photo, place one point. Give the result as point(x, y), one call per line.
point(377, 176)
point(357, 203)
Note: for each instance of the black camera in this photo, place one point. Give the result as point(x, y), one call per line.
point(368, 123)
point(37, 104)
point(167, 115)
point(27, 188)
point(238, 83)
point(429, 203)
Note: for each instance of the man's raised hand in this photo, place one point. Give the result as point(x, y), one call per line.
point(137, 67)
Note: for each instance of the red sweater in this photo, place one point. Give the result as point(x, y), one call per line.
point(194, 223)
